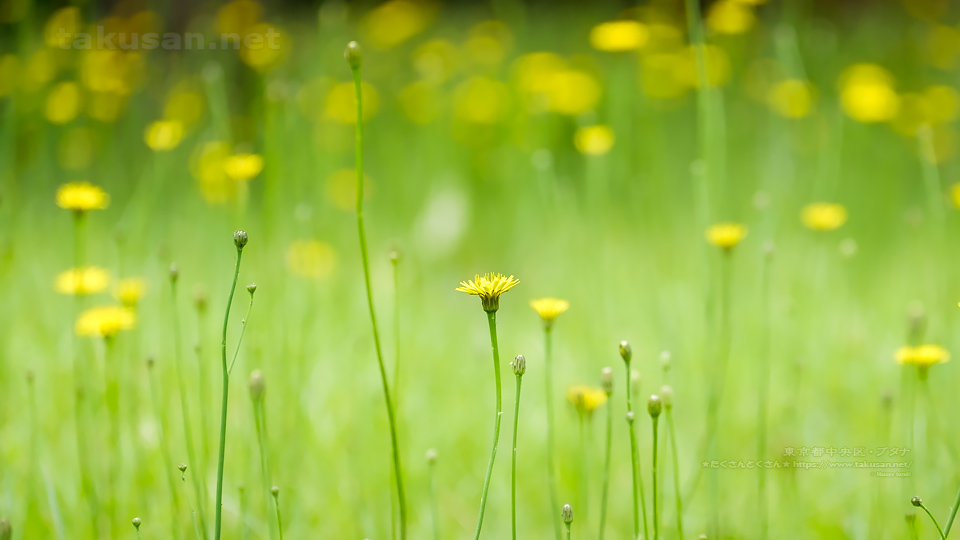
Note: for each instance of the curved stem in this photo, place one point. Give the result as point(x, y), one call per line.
point(513, 469)
point(391, 415)
point(243, 329)
point(224, 399)
point(492, 323)
point(548, 386)
point(635, 463)
point(676, 472)
point(934, 520)
point(606, 471)
point(953, 515)
point(656, 516)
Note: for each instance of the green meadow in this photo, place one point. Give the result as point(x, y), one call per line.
point(759, 198)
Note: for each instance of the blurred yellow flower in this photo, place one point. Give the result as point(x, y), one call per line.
point(586, 399)
point(619, 36)
point(39, 70)
point(867, 94)
point(573, 92)
point(163, 135)
point(206, 166)
point(81, 197)
point(730, 17)
point(111, 71)
point(533, 74)
point(593, 140)
point(105, 106)
point(63, 103)
point(61, 27)
point(481, 100)
point(717, 66)
point(130, 291)
point(420, 102)
point(396, 21)
point(791, 98)
point(79, 281)
point(944, 104)
point(664, 38)
point(436, 60)
point(264, 47)
point(913, 111)
point(238, 16)
point(927, 10)
point(105, 321)
point(922, 356)
point(341, 103)
point(955, 194)
point(488, 287)
point(822, 216)
point(242, 167)
point(726, 235)
point(184, 105)
point(942, 47)
point(488, 43)
point(311, 259)
point(342, 188)
point(549, 308)
point(661, 75)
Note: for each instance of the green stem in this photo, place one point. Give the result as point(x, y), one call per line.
point(548, 392)
point(513, 470)
point(583, 486)
point(672, 436)
point(276, 505)
point(635, 463)
point(261, 422)
point(934, 520)
point(396, 380)
point(492, 323)
point(606, 471)
point(391, 415)
point(953, 515)
point(164, 448)
point(433, 504)
point(656, 513)
point(763, 393)
point(568, 531)
point(243, 329)
point(111, 400)
point(224, 399)
point(716, 391)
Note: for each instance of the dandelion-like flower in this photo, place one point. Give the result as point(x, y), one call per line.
point(488, 287)
point(105, 321)
point(129, 291)
point(726, 235)
point(619, 36)
point(549, 308)
point(163, 135)
point(922, 356)
point(88, 280)
point(82, 197)
point(586, 398)
point(243, 167)
point(822, 216)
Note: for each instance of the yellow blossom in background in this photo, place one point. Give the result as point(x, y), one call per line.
point(61, 27)
point(184, 104)
point(105, 321)
point(533, 73)
point(396, 21)
point(436, 60)
point(311, 259)
point(941, 48)
point(867, 94)
point(77, 149)
point(420, 102)
point(944, 141)
point(242, 167)
point(82, 197)
point(726, 235)
point(206, 166)
point(822, 216)
point(264, 47)
point(163, 135)
point(129, 291)
point(573, 92)
point(238, 16)
point(791, 98)
point(63, 103)
point(593, 140)
point(549, 308)
point(342, 189)
point(943, 102)
point(481, 100)
point(717, 66)
point(730, 17)
point(955, 194)
point(105, 106)
point(111, 71)
point(488, 287)
point(922, 356)
point(664, 38)
point(662, 77)
point(78, 281)
point(9, 73)
point(38, 71)
point(586, 399)
point(488, 43)
point(341, 103)
point(619, 36)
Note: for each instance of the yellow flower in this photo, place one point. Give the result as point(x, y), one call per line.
point(89, 280)
point(726, 235)
point(163, 135)
point(341, 103)
point(573, 92)
point(242, 167)
point(63, 103)
point(105, 321)
point(488, 287)
point(730, 17)
point(955, 192)
point(61, 27)
point(867, 94)
point(922, 356)
point(266, 52)
point(821, 216)
point(206, 165)
point(311, 259)
point(593, 140)
point(586, 398)
point(396, 21)
point(619, 36)
point(549, 308)
point(791, 98)
point(82, 196)
point(129, 291)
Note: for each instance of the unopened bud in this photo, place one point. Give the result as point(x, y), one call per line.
point(275, 491)
point(353, 55)
point(519, 365)
point(606, 380)
point(257, 385)
point(916, 501)
point(252, 288)
point(136, 523)
point(174, 272)
point(150, 362)
point(654, 406)
point(666, 360)
point(200, 299)
point(567, 514)
point(394, 256)
point(431, 456)
point(625, 351)
point(182, 468)
point(666, 395)
point(240, 239)
point(630, 417)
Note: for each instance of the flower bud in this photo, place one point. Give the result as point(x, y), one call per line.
point(353, 55)
point(174, 272)
point(394, 256)
point(634, 381)
point(625, 351)
point(630, 417)
point(567, 514)
point(136, 523)
point(252, 288)
point(654, 406)
point(257, 385)
point(431, 456)
point(200, 299)
point(275, 491)
point(916, 501)
point(240, 239)
point(606, 380)
point(666, 360)
point(519, 365)
point(182, 468)
point(666, 395)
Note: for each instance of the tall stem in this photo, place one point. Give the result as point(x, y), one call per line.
point(513, 469)
point(433, 503)
point(953, 515)
point(763, 392)
point(656, 514)
point(492, 323)
point(606, 471)
point(716, 391)
point(261, 422)
point(935, 523)
point(224, 399)
point(583, 486)
point(548, 392)
point(391, 415)
point(635, 463)
point(672, 435)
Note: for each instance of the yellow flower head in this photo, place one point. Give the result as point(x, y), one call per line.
point(619, 36)
point(163, 135)
point(586, 398)
point(82, 196)
point(922, 356)
point(821, 216)
point(243, 167)
point(129, 291)
point(105, 321)
point(89, 280)
point(488, 287)
point(593, 140)
point(726, 235)
point(867, 94)
point(549, 308)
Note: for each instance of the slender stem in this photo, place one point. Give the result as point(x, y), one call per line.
point(548, 392)
point(224, 399)
point(635, 463)
point(583, 486)
point(953, 515)
point(934, 520)
point(396, 379)
point(261, 422)
point(111, 400)
point(492, 323)
point(164, 448)
point(656, 513)
point(433, 504)
point(276, 504)
point(193, 513)
point(391, 415)
point(185, 407)
point(568, 531)
point(242, 503)
point(243, 329)
point(716, 391)
point(606, 470)
point(513, 470)
point(763, 393)
point(672, 436)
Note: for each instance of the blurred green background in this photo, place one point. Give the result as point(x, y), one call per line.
point(560, 143)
